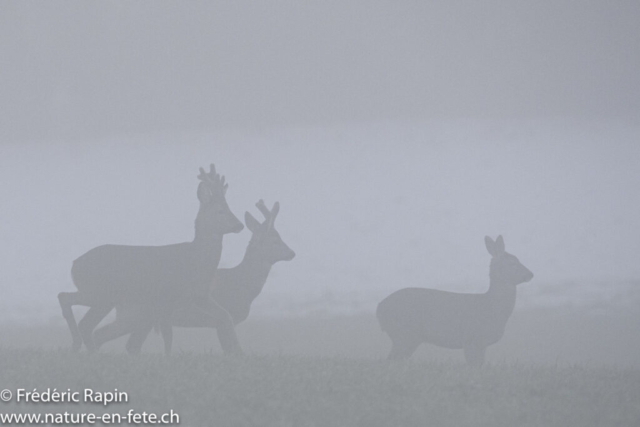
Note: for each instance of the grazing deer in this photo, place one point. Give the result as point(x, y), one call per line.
point(470, 322)
point(158, 278)
point(234, 288)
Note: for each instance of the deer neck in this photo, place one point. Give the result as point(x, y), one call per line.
point(502, 300)
point(211, 243)
point(254, 270)
point(206, 240)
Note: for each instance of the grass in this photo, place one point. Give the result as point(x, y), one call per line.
point(552, 368)
point(211, 390)
point(540, 337)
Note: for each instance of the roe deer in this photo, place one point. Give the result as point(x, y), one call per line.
point(471, 322)
point(158, 278)
point(234, 288)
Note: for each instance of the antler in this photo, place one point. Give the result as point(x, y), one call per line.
point(269, 215)
point(263, 208)
point(212, 178)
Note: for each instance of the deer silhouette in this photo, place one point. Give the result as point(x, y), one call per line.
point(471, 322)
point(157, 278)
point(234, 289)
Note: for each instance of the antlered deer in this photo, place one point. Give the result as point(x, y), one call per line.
point(234, 288)
point(471, 322)
point(157, 278)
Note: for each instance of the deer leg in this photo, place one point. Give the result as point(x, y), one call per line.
point(474, 354)
point(67, 300)
point(225, 327)
point(88, 323)
point(110, 332)
point(139, 335)
point(167, 336)
point(228, 338)
point(403, 347)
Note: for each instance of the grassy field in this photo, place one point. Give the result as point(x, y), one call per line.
point(552, 368)
point(210, 390)
point(557, 337)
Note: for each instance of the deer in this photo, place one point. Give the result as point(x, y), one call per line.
point(234, 288)
point(158, 278)
point(471, 322)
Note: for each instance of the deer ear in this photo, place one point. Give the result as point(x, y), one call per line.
point(491, 245)
point(252, 223)
point(500, 244)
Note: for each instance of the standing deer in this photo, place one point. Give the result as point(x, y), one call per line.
point(158, 278)
point(470, 322)
point(234, 288)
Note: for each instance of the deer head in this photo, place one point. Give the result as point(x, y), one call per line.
point(266, 242)
point(214, 215)
point(505, 268)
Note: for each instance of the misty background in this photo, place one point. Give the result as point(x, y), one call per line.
point(394, 136)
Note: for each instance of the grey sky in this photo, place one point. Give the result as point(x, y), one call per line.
point(368, 209)
point(395, 136)
point(73, 70)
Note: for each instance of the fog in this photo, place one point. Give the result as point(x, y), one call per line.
point(368, 209)
point(395, 137)
point(74, 70)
